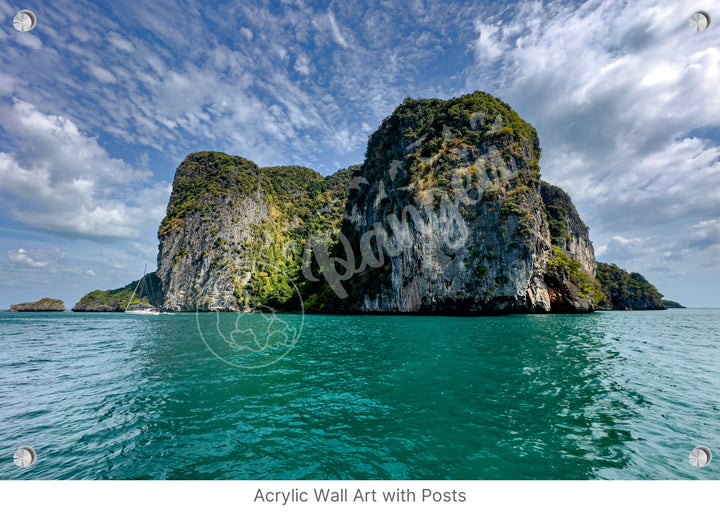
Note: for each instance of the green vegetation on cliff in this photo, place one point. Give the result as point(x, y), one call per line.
point(302, 203)
point(431, 131)
point(627, 290)
point(469, 119)
point(308, 202)
point(115, 300)
point(436, 173)
point(588, 286)
point(204, 177)
point(557, 207)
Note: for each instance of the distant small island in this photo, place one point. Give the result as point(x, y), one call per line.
point(42, 305)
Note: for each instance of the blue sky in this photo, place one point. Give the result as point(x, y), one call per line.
point(102, 100)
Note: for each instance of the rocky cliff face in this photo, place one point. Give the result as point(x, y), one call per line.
point(216, 202)
point(448, 214)
point(567, 230)
point(43, 305)
point(234, 233)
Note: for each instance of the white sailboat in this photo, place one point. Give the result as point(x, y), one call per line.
point(141, 309)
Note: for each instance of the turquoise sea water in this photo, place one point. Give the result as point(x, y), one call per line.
point(623, 395)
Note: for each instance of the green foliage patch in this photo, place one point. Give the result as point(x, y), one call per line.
point(627, 290)
point(565, 265)
point(121, 295)
point(202, 178)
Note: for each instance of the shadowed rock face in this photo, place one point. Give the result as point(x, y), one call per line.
point(567, 230)
point(457, 183)
point(43, 305)
point(446, 215)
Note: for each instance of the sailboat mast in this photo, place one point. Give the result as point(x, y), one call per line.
point(136, 288)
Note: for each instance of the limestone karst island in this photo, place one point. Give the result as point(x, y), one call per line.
point(42, 305)
point(448, 214)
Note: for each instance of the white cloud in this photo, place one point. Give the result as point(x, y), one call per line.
point(489, 45)
point(302, 65)
point(247, 33)
point(29, 40)
point(613, 88)
point(680, 181)
point(90, 273)
point(102, 74)
point(705, 229)
point(63, 181)
point(705, 234)
point(22, 257)
point(625, 248)
point(5, 8)
point(80, 34)
point(121, 43)
point(55, 142)
point(7, 84)
point(336, 32)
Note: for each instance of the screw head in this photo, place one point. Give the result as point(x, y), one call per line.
point(699, 21)
point(25, 456)
point(700, 456)
point(24, 21)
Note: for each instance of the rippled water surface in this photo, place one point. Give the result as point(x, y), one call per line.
point(622, 395)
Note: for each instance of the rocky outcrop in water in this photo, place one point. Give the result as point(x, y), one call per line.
point(234, 233)
point(447, 214)
point(42, 305)
point(454, 217)
point(627, 291)
point(98, 305)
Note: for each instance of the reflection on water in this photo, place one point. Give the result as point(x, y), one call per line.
point(374, 397)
